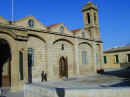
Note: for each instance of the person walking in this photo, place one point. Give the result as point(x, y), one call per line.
point(45, 76)
point(42, 76)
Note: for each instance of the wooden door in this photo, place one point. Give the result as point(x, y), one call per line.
point(6, 77)
point(63, 68)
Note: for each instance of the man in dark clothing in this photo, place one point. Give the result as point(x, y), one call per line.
point(43, 76)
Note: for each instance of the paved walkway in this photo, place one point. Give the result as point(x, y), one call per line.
point(4, 92)
point(95, 81)
point(17, 94)
point(116, 78)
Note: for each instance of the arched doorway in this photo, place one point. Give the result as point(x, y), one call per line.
point(63, 67)
point(5, 64)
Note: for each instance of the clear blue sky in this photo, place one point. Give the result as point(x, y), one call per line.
point(114, 16)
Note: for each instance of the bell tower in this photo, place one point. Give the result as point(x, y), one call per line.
point(90, 14)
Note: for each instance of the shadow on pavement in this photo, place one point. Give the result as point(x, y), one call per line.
point(122, 73)
point(60, 92)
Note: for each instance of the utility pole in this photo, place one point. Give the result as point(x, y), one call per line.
point(12, 11)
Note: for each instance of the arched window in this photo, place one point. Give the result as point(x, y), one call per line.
point(95, 18)
point(62, 29)
point(31, 23)
point(62, 47)
point(84, 57)
point(83, 34)
point(88, 18)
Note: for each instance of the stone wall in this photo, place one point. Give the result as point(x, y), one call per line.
point(68, 53)
point(33, 91)
point(85, 68)
point(39, 50)
point(123, 59)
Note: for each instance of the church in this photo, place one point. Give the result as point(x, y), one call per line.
point(28, 47)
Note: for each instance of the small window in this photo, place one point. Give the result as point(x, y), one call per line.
point(116, 59)
point(128, 57)
point(83, 34)
point(62, 47)
point(30, 56)
point(62, 29)
point(105, 59)
point(88, 18)
point(31, 23)
point(84, 61)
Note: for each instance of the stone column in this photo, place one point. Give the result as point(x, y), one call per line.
point(94, 57)
point(101, 57)
point(92, 17)
point(14, 69)
point(49, 60)
point(25, 64)
point(76, 51)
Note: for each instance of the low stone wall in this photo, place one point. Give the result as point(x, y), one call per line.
point(111, 66)
point(39, 91)
point(125, 65)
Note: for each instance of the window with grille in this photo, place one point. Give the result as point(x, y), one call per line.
point(84, 57)
point(105, 59)
point(30, 56)
point(128, 57)
point(116, 59)
point(21, 65)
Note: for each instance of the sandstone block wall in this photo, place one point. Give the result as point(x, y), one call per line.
point(33, 91)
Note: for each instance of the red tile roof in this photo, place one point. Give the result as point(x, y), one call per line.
point(76, 30)
point(53, 25)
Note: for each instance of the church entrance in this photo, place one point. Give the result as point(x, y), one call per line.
point(5, 64)
point(63, 67)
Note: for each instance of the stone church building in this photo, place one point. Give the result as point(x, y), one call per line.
point(27, 47)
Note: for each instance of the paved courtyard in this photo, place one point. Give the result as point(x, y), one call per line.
point(17, 94)
point(109, 79)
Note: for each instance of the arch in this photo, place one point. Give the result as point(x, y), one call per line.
point(5, 63)
point(12, 34)
point(63, 40)
point(86, 43)
point(12, 44)
point(85, 47)
point(37, 49)
point(37, 36)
